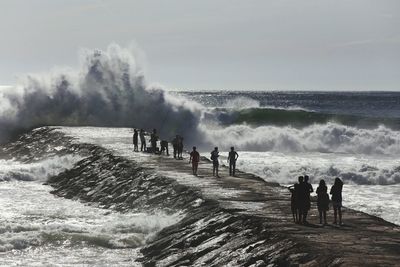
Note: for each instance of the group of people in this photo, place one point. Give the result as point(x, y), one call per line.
point(301, 200)
point(177, 144)
point(232, 158)
point(136, 135)
point(301, 191)
point(153, 142)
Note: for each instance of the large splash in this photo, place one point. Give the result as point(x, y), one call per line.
point(107, 89)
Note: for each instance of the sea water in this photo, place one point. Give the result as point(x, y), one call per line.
point(282, 135)
point(40, 229)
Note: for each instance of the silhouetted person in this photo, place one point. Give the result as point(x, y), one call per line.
point(307, 198)
point(135, 140)
point(336, 192)
point(194, 159)
point(164, 147)
point(232, 157)
point(293, 205)
point(142, 141)
point(175, 145)
point(322, 200)
point(180, 147)
point(153, 141)
point(214, 158)
point(300, 198)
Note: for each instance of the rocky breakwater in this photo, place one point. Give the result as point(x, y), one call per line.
point(239, 221)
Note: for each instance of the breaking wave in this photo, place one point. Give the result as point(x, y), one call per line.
point(37, 171)
point(325, 138)
point(107, 89)
point(295, 117)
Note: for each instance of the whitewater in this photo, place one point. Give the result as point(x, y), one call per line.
point(38, 228)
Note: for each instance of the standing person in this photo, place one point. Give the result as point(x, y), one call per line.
point(299, 190)
point(307, 198)
point(142, 141)
point(194, 159)
point(153, 141)
point(232, 157)
point(214, 158)
point(322, 200)
point(135, 140)
point(180, 147)
point(336, 192)
point(164, 147)
point(293, 204)
point(175, 145)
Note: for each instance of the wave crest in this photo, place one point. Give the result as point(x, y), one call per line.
point(326, 138)
point(108, 89)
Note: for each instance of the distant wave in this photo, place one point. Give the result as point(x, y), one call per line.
point(297, 118)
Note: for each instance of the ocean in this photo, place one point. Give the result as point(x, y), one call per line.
point(282, 135)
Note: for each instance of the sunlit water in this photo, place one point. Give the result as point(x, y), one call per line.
point(38, 228)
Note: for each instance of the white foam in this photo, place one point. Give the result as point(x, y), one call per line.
point(326, 138)
point(39, 171)
point(352, 168)
point(33, 219)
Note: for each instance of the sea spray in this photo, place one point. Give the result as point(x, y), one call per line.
point(107, 89)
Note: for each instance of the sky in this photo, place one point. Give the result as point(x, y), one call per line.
point(214, 44)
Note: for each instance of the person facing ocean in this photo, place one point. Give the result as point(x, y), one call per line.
point(175, 145)
point(293, 205)
point(194, 159)
point(308, 189)
point(214, 158)
point(299, 192)
point(180, 147)
point(322, 200)
point(232, 157)
point(142, 140)
point(336, 192)
point(153, 141)
point(135, 140)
